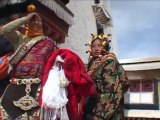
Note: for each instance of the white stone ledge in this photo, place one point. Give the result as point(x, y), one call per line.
point(142, 113)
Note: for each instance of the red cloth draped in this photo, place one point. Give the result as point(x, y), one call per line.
point(81, 83)
point(4, 65)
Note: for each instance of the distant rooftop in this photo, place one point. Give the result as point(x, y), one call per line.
point(140, 63)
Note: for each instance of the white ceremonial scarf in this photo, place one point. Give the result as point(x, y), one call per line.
point(54, 96)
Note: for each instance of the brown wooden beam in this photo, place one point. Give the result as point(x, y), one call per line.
point(54, 27)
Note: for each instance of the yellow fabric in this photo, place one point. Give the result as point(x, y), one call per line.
point(30, 33)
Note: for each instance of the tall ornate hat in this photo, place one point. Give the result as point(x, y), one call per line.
point(105, 42)
point(104, 38)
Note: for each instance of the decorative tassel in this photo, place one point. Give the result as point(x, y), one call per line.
point(100, 36)
point(94, 36)
point(104, 36)
point(104, 43)
point(88, 44)
point(89, 51)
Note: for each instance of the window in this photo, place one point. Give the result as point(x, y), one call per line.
point(140, 92)
point(134, 86)
point(147, 86)
point(141, 86)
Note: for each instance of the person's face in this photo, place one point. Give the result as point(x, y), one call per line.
point(35, 24)
point(96, 47)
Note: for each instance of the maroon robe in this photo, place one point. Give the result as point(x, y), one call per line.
point(30, 66)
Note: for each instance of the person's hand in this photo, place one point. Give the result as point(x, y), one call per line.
point(33, 16)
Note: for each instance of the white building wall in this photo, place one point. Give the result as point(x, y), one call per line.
point(85, 23)
point(80, 33)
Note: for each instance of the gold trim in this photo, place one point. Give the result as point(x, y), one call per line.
point(25, 81)
point(26, 103)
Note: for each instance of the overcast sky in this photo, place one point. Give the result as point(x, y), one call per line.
point(137, 27)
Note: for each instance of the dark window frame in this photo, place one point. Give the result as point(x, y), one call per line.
point(141, 85)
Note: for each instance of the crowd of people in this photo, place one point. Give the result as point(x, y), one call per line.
point(46, 83)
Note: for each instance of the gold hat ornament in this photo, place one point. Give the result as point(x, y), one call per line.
point(105, 42)
point(31, 8)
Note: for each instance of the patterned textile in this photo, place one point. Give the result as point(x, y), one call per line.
point(31, 66)
point(110, 80)
point(33, 63)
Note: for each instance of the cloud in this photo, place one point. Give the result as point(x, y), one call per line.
point(137, 26)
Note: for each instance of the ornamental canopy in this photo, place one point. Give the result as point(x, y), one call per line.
point(102, 16)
